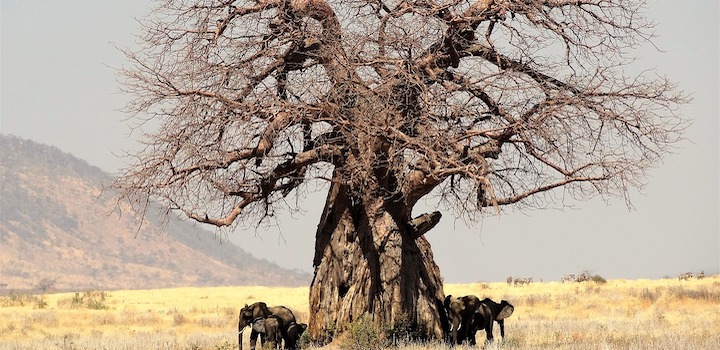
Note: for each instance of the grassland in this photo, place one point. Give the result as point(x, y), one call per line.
point(637, 314)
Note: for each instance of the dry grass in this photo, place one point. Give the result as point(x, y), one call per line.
point(639, 314)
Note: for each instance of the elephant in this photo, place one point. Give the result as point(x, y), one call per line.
point(294, 332)
point(269, 330)
point(488, 312)
point(255, 312)
point(461, 312)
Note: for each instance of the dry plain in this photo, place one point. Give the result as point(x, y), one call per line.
point(619, 314)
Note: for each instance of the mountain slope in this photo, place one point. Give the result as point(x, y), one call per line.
point(56, 223)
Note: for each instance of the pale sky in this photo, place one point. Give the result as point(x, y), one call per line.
point(59, 88)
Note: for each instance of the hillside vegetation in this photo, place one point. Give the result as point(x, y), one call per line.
point(620, 314)
point(58, 224)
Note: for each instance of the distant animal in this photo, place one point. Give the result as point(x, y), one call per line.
point(700, 275)
point(522, 281)
point(568, 278)
point(685, 276)
point(509, 280)
point(583, 277)
point(255, 312)
point(488, 312)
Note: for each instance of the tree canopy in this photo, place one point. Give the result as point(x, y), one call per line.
point(492, 102)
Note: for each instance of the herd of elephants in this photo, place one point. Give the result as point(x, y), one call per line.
point(466, 315)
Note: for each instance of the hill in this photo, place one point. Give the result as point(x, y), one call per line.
point(57, 224)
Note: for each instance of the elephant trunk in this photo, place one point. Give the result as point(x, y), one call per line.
point(240, 333)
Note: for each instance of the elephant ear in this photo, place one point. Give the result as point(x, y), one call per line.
point(505, 312)
point(246, 314)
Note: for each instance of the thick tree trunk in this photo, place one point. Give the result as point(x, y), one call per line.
point(368, 262)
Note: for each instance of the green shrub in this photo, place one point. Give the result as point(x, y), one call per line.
point(362, 335)
point(327, 334)
point(304, 341)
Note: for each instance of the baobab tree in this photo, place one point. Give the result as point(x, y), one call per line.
point(482, 103)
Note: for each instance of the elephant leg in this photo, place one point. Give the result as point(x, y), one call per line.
point(287, 343)
point(489, 332)
point(471, 336)
point(275, 339)
point(502, 329)
point(466, 329)
point(253, 339)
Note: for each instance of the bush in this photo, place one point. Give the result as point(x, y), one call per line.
point(327, 334)
point(18, 298)
point(225, 345)
point(647, 295)
point(179, 319)
point(405, 331)
point(90, 300)
point(701, 294)
point(361, 335)
point(304, 341)
point(598, 279)
point(213, 322)
point(40, 303)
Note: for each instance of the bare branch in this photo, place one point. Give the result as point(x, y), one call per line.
point(484, 104)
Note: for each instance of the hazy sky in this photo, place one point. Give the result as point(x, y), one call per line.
point(58, 88)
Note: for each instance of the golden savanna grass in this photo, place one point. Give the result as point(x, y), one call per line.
point(637, 314)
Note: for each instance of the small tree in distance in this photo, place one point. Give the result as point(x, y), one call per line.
point(483, 103)
point(44, 285)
